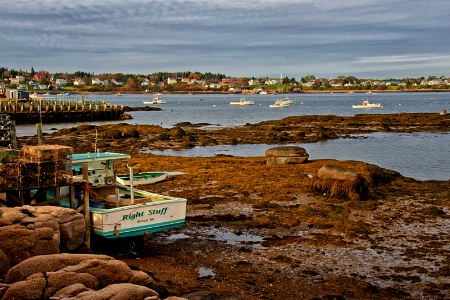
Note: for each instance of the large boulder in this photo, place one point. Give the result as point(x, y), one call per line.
point(48, 263)
point(340, 182)
point(119, 291)
point(286, 155)
point(72, 225)
point(75, 276)
point(37, 230)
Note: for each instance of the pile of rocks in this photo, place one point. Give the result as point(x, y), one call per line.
point(33, 267)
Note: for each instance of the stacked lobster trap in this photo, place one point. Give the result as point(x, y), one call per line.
point(6, 131)
point(35, 167)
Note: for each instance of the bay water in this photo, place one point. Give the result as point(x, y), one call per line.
point(423, 156)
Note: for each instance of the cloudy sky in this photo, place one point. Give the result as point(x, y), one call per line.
point(238, 38)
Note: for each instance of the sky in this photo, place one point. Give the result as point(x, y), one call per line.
point(238, 38)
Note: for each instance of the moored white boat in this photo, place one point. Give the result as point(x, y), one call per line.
point(287, 100)
point(279, 104)
point(155, 100)
point(242, 102)
point(367, 104)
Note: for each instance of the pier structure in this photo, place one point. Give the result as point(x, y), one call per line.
point(41, 110)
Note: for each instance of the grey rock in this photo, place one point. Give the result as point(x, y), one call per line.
point(286, 155)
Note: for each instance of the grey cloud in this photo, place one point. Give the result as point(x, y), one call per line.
point(255, 38)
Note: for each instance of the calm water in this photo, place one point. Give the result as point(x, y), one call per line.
point(423, 156)
point(215, 110)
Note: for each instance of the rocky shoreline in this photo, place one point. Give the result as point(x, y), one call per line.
point(258, 231)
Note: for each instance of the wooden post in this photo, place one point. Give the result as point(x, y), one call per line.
point(87, 216)
point(72, 196)
point(39, 134)
point(14, 136)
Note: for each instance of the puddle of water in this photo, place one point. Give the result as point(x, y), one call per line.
point(229, 236)
point(233, 237)
point(177, 236)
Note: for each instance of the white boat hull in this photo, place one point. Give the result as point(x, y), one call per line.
point(374, 105)
point(242, 103)
point(279, 105)
point(367, 104)
point(138, 219)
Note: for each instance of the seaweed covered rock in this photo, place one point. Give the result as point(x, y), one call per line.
point(340, 182)
point(131, 133)
point(286, 155)
point(112, 134)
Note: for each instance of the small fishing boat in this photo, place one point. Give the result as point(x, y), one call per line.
point(118, 94)
point(155, 100)
point(279, 104)
point(287, 100)
point(367, 104)
point(242, 102)
point(141, 178)
point(117, 210)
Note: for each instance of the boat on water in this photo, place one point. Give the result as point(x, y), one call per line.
point(242, 102)
point(118, 94)
point(35, 96)
point(155, 100)
point(118, 210)
point(141, 178)
point(287, 100)
point(279, 104)
point(367, 104)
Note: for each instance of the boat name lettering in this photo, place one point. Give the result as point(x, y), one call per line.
point(151, 212)
point(161, 212)
point(133, 216)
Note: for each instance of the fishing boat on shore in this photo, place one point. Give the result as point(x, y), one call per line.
point(118, 210)
point(141, 178)
point(242, 102)
point(86, 182)
point(367, 104)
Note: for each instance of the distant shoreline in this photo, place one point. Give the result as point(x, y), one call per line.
point(302, 92)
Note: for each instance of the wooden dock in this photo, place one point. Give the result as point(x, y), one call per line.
point(60, 110)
